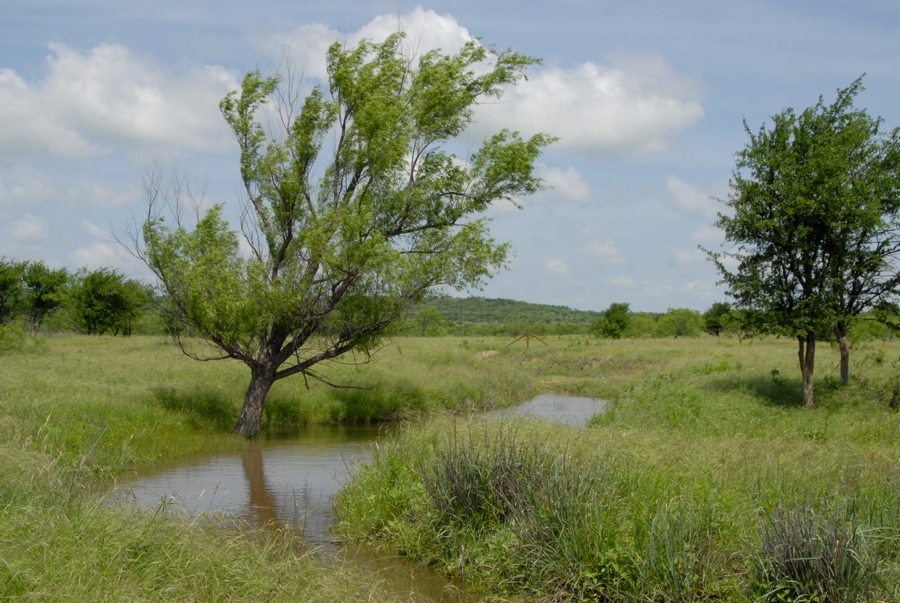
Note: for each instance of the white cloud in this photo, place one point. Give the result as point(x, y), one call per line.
point(25, 187)
point(598, 246)
point(29, 230)
point(708, 236)
point(688, 256)
point(566, 183)
point(702, 287)
point(556, 266)
point(23, 237)
point(104, 251)
point(636, 104)
point(94, 230)
point(632, 107)
point(622, 282)
point(690, 200)
point(97, 255)
point(95, 102)
point(32, 188)
point(425, 30)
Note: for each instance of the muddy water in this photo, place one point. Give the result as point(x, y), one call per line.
point(280, 480)
point(293, 479)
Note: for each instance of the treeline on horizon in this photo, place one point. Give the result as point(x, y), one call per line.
point(444, 315)
point(35, 298)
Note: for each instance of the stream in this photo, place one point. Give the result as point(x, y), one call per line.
point(292, 479)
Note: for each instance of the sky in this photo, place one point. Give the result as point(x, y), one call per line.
point(648, 99)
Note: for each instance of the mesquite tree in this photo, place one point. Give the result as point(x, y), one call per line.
point(354, 209)
point(815, 202)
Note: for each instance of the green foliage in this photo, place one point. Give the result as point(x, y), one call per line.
point(814, 206)
point(428, 322)
point(10, 289)
point(484, 316)
point(614, 323)
point(12, 337)
point(719, 318)
point(642, 325)
point(45, 291)
point(104, 301)
point(703, 483)
point(679, 322)
point(814, 200)
point(345, 240)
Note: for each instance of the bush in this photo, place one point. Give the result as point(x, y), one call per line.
point(12, 338)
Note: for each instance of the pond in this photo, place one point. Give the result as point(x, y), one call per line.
point(292, 479)
point(569, 410)
point(289, 479)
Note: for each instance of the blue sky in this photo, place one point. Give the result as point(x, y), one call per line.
point(648, 99)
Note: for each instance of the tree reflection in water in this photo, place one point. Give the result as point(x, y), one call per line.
point(262, 501)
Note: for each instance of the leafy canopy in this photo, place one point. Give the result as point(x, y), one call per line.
point(354, 205)
point(812, 217)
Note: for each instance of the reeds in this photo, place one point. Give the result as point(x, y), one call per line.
point(809, 556)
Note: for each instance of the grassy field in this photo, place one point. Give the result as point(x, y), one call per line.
point(706, 481)
point(685, 491)
point(78, 412)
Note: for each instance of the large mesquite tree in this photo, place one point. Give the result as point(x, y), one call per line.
point(815, 202)
point(354, 208)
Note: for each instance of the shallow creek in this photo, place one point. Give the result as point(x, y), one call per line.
point(292, 479)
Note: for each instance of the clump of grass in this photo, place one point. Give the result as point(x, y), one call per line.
point(506, 511)
point(677, 551)
point(484, 484)
point(808, 556)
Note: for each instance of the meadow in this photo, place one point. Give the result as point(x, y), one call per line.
point(693, 487)
point(78, 413)
point(706, 481)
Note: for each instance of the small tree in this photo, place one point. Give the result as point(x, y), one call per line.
point(11, 290)
point(614, 322)
point(815, 202)
point(718, 318)
point(429, 322)
point(344, 236)
point(642, 325)
point(104, 301)
point(679, 322)
point(44, 292)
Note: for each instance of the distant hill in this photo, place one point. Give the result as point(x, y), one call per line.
point(480, 310)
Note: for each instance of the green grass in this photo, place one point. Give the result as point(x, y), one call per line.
point(704, 472)
point(707, 480)
point(76, 412)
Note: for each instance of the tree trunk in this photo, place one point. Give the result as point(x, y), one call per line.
point(261, 381)
point(840, 329)
point(807, 356)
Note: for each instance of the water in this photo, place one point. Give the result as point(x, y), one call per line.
point(275, 480)
point(293, 480)
point(568, 410)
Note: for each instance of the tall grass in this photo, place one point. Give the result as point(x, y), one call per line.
point(806, 556)
point(706, 481)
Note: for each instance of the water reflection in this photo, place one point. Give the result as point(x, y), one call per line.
point(293, 479)
point(288, 480)
point(262, 499)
